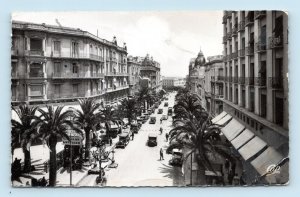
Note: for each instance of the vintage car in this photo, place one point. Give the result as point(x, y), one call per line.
point(156, 105)
point(177, 158)
point(164, 117)
point(124, 139)
point(170, 111)
point(147, 116)
point(152, 120)
point(166, 104)
point(152, 140)
point(114, 129)
point(135, 126)
point(160, 111)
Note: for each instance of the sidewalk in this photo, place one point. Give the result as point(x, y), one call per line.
point(39, 155)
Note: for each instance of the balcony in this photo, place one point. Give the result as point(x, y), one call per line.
point(224, 39)
point(259, 14)
point(242, 80)
point(234, 30)
point(219, 96)
point(276, 82)
point(96, 57)
point(220, 78)
point(241, 26)
point(97, 75)
point(234, 55)
point(34, 53)
point(70, 75)
point(259, 81)
point(235, 79)
point(224, 19)
point(249, 21)
point(260, 47)
point(276, 41)
point(36, 75)
point(242, 53)
point(14, 52)
point(249, 50)
point(249, 80)
point(229, 34)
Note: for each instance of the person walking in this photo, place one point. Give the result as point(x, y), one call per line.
point(167, 136)
point(161, 120)
point(132, 135)
point(161, 130)
point(161, 154)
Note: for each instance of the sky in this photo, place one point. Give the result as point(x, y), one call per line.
point(171, 37)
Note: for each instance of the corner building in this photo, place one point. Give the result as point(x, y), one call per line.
point(52, 64)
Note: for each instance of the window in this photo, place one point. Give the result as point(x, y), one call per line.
point(36, 90)
point(56, 47)
point(14, 43)
point(57, 89)
point(263, 35)
point(13, 69)
point(36, 44)
point(36, 70)
point(75, 49)
point(75, 89)
point(57, 67)
point(75, 68)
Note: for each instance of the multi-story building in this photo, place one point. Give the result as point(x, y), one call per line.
point(214, 84)
point(256, 84)
point(134, 65)
point(168, 82)
point(151, 69)
point(61, 64)
point(196, 78)
point(179, 82)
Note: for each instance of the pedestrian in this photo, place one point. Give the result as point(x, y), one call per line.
point(110, 141)
point(161, 130)
point(161, 154)
point(167, 136)
point(132, 135)
point(161, 120)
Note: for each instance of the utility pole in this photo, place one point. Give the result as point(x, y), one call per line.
point(191, 169)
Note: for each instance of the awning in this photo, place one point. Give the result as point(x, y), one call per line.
point(268, 158)
point(232, 129)
point(241, 139)
point(252, 147)
point(219, 117)
point(224, 120)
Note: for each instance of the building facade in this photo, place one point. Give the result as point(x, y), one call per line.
point(168, 82)
point(214, 84)
point(150, 69)
point(134, 65)
point(256, 78)
point(60, 64)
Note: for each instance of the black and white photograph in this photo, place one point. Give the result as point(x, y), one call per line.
point(149, 98)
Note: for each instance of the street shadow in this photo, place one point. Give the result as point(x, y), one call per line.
point(173, 173)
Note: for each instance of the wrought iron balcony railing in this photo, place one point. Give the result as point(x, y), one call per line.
point(260, 81)
point(276, 41)
point(260, 47)
point(241, 26)
point(259, 14)
point(242, 53)
point(250, 50)
point(276, 82)
point(249, 80)
point(242, 80)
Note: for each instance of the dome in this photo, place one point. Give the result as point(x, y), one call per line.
point(200, 60)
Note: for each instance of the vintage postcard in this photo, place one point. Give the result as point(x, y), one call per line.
point(130, 99)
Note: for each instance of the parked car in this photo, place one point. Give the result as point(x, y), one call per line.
point(177, 158)
point(152, 120)
point(156, 105)
point(164, 117)
point(114, 129)
point(160, 111)
point(152, 140)
point(147, 116)
point(124, 139)
point(135, 127)
point(166, 104)
point(170, 111)
point(139, 120)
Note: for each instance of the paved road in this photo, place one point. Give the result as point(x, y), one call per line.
point(138, 164)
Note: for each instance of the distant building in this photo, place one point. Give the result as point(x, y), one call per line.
point(214, 84)
point(168, 82)
point(179, 82)
point(134, 65)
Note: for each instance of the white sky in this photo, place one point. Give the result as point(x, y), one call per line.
point(172, 38)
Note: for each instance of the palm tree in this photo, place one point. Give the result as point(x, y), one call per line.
point(109, 115)
point(88, 117)
point(24, 131)
point(53, 126)
point(146, 97)
point(194, 131)
point(128, 109)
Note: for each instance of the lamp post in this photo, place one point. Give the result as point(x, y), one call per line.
point(191, 168)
